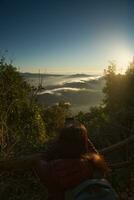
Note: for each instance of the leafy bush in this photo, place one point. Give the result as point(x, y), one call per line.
point(22, 130)
point(20, 118)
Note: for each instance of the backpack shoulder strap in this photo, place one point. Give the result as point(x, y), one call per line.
point(72, 193)
point(90, 182)
point(78, 190)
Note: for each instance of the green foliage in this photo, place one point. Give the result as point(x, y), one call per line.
point(113, 120)
point(22, 130)
point(130, 70)
point(113, 90)
point(54, 117)
point(98, 125)
point(25, 126)
point(21, 186)
point(129, 85)
point(20, 118)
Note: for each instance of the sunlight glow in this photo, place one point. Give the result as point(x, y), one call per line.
point(122, 57)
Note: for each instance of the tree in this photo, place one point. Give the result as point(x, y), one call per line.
point(114, 89)
point(54, 117)
point(20, 118)
point(129, 85)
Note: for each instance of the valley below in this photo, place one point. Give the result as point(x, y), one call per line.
point(80, 91)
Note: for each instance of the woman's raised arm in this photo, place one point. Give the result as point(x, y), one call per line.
point(22, 163)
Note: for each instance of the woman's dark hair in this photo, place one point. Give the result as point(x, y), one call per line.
point(73, 141)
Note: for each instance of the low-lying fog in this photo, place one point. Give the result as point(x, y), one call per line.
point(81, 90)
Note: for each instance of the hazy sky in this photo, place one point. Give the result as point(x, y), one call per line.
point(67, 35)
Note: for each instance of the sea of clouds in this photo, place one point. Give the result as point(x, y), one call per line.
point(80, 90)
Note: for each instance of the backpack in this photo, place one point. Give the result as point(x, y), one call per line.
point(92, 189)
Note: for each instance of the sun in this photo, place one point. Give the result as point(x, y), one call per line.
point(122, 57)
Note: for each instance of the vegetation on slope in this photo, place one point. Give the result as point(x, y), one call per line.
point(26, 126)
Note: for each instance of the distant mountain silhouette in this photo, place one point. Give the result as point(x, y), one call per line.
point(36, 75)
point(80, 75)
point(79, 89)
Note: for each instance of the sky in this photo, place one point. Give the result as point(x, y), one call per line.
point(67, 36)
